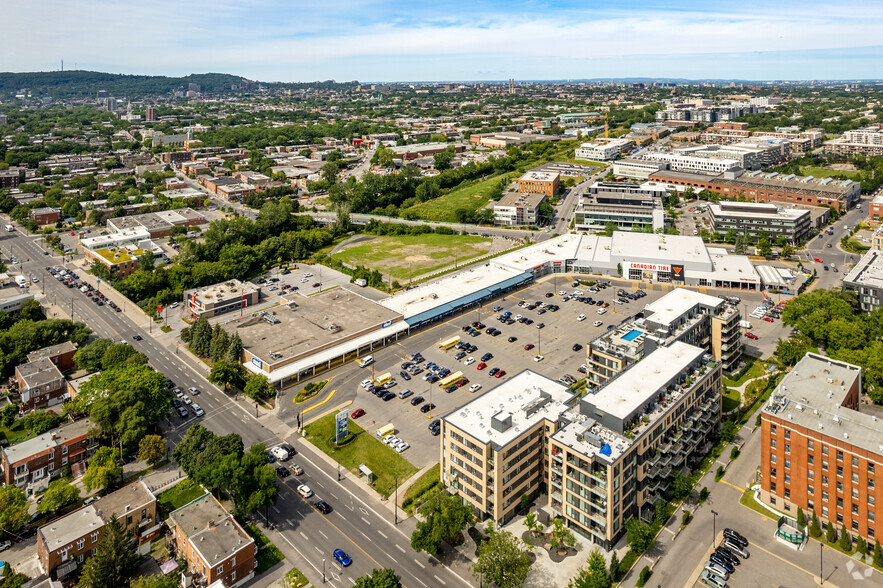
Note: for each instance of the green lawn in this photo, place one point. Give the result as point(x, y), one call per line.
point(180, 494)
point(749, 501)
point(366, 449)
point(731, 398)
point(472, 195)
point(399, 255)
point(268, 554)
point(421, 486)
point(823, 172)
point(15, 434)
point(757, 369)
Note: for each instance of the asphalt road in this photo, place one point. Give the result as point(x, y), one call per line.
point(367, 536)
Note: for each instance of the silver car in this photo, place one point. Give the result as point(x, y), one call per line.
point(714, 568)
point(713, 580)
point(736, 548)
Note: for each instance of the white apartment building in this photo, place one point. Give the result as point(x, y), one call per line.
point(692, 163)
point(603, 150)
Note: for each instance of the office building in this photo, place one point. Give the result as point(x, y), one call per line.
point(692, 163)
point(749, 158)
point(681, 315)
point(64, 544)
point(754, 218)
point(866, 280)
point(603, 149)
point(217, 299)
point(418, 150)
point(760, 186)
point(45, 216)
point(819, 450)
point(518, 209)
point(157, 224)
point(637, 168)
point(628, 211)
point(537, 182)
point(150, 115)
point(602, 459)
point(213, 543)
point(32, 463)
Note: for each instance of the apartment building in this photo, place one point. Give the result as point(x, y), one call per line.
point(217, 299)
point(819, 451)
point(65, 543)
point(681, 315)
point(603, 149)
point(176, 157)
point(692, 163)
point(537, 182)
point(62, 355)
point(12, 177)
point(758, 186)
point(866, 280)
point(867, 141)
point(40, 384)
point(875, 208)
point(518, 209)
point(214, 545)
point(32, 463)
point(45, 216)
point(754, 218)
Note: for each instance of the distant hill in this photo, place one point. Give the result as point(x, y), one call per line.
point(78, 83)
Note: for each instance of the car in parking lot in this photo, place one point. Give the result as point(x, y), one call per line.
point(427, 407)
point(197, 410)
point(500, 374)
point(186, 399)
point(581, 317)
point(597, 323)
point(576, 347)
point(769, 319)
point(416, 400)
point(406, 393)
point(512, 339)
point(541, 325)
point(487, 357)
point(193, 390)
point(387, 396)
point(296, 470)
point(538, 358)
point(357, 413)
point(722, 562)
point(475, 387)
point(183, 412)
point(405, 375)
point(481, 366)
point(469, 361)
point(717, 569)
point(493, 371)
point(529, 346)
point(712, 580)
point(736, 548)
point(282, 471)
point(751, 335)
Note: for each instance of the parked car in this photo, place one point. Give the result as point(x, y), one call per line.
point(427, 407)
point(576, 347)
point(282, 471)
point(416, 400)
point(357, 413)
point(736, 548)
point(296, 470)
point(529, 346)
point(751, 335)
point(712, 580)
point(197, 410)
point(493, 371)
point(406, 393)
point(280, 453)
point(475, 387)
point(722, 562)
point(405, 374)
point(735, 536)
point(717, 569)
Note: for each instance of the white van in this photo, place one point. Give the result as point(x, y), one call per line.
point(602, 311)
point(366, 361)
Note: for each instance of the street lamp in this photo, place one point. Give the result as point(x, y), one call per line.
point(396, 503)
point(821, 551)
point(713, 526)
point(323, 570)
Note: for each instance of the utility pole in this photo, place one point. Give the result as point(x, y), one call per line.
point(714, 514)
point(396, 504)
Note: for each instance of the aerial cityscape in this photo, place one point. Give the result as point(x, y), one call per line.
point(388, 295)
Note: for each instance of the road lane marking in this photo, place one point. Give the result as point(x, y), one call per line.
point(334, 496)
point(276, 510)
point(382, 535)
point(417, 561)
point(321, 533)
point(366, 537)
point(302, 534)
point(439, 579)
point(400, 548)
point(367, 522)
point(317, 548)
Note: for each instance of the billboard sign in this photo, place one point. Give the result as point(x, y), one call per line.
point(342, 429)
point(677, 273)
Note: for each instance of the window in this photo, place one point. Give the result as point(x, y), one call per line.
point(825, 512)
point(787, 478)
point(787, 434)
point(870, 483)
point(810, 460)
point(80, 544)
point(811, 505)
point(772, 487)
point(839, 502)
point(855, 493)
point(787, 464)
point(810, 490)
point(839, 455)
point(787, 506)
point(787, 449)
point(773, 431)
point(787, 492)
point(220, 570)
point(772, 458)
point(854, 525)
point(64, 449)
point(824, 465)
point(825, 495)
point(839, 471)
point(233, 562)
point(773, 443)
point(64, 461)
point(870, 468)
point(811, 445)
point(811, 475)
point(871, 515)
point(871, 532)
point(854, 462)
point(772, 472)
point(839, 518)
point(824, 449)
point(871, 500)
point(95, 537)
point(824, 480)
point(839, 487)
point(854, 508)
point(773, 500)
point(854, 478)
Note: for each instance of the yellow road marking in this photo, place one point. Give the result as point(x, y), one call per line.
point(338, 407)
point(319, 404)
point(732, 486)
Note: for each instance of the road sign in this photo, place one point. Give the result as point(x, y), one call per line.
point(342, 429)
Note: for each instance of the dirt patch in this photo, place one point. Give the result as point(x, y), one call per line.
point(417, 258)
point(842, 167)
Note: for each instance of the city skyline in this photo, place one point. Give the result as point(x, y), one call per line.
point(393, 41)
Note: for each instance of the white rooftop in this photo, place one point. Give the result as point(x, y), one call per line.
point(623, 395)
point(662, 248)
point(556, 249)
point(538, 176)
point(755, 210)
point(868, 271)
point(511, 397)
point(677, 303)
point(127, 235)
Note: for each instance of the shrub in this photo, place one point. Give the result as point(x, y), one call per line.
point(831, 533)
point(814, 529)
point(719, 473)
point(734, 453)
point(801, 519)
point(685, 519)
point(703, 494)
point(644, 576)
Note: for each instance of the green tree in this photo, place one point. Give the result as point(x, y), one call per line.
point(639, 535)
point(831, 533)
point(813, 312)
point(219, 344)
point(614, 567)
point(146, 261)
point(561, 535)
point(763, 246)
point(201, 337)
point(257, 386)
point(878, 554)
point(13, 508)
point(8, 414)
point(787, 251)
point(256, 487)
point(329, 172)
point(861, 546)
point(681, 487)
point(530, 522)
point(443, 517)
point(814, 529)
point(383, 156)
point(790, 351)
point(442, 161)
point(225, 373)
point(40, 421)
point(59, 494)
point(90, 356)
point(728, 431)
point(104, 469)
point(503, 559)
point(801, 519)
point(156, 580)
point(117, 355)
point(151, 449)
point(595, 575)
point(234, 350)
point(379, 578)
point(115, 561)
point(845, 541)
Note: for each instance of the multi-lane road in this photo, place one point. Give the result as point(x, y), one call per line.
point(358, 523)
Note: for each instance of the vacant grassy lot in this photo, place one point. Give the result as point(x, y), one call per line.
point(472, 195)
point(421, 486)
point(398, 255)
point(823, 172)
point(180, 494)
point(366, 449)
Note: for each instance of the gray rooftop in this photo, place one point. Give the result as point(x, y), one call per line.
point(211, 529)
point(38, 372)
point(812, 396)
point(52, 350)
point(48, 440)
point(868, 271)
point(528, 199)
point(677, 303)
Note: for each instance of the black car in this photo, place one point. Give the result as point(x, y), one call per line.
point(323, 507)
point(288, 448)
point(451, 388)
point(512, 339)
point(405, 374)
point(137, 337)
point(487, 357)
point(388, 396)
point(493, 371)
point(433, 379)
point(470, 348)
point(176, 403)
point(427, 407)
point(722, 562)
point(735, 536)
point(576, 347)
point(728, 555)
point(549, 294)
point(435, 423)
point(435, 431)
point(460, 355)
point(282, 472)
point(416, 400)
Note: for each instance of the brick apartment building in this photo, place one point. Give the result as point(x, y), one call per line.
point(176, 157)
point(12, 177)
point(62, 355)
point(40, 384)
point(819, 451)
point(32, 463)
point(45, 216)
point(214, 545)
point(65, 543)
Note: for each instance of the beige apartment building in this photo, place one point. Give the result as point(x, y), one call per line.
point(602, 458)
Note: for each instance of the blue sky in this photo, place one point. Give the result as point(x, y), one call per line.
point(374, 40)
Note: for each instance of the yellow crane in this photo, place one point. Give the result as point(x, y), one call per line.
point(606, 124)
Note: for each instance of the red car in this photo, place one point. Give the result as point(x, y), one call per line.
point(481, 366)
point(357, 413)
point(768, 319)
point(528, 347)
point(500, 374)
point(751, 335)
point(817, 260)
point(316, 285)
point(462, 382)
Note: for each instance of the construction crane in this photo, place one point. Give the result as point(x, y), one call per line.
point(606, 124)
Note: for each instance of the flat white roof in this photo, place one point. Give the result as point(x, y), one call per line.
point(511, 397)
point(676, 303)
point(634, 387)
point(868, 271)
point(539, 176)
point(663, 248)
point(412, 302)
point(527, 258)
point(125, 235)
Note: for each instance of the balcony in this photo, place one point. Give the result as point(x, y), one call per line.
point(600, 519)
point(556, 481)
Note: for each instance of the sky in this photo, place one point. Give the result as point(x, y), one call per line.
point(456, 40)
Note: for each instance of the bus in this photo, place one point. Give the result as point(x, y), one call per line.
point(383, 379)
point(386, 430)
point(455, 377)
point(449, 343)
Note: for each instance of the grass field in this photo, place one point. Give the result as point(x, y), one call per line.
point(421, 486)
point(731, 399)
point(400, 254)
point(365, 448)
point(823, 172)
point(472, 195)
point(180, 494)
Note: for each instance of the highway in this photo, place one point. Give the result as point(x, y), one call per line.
point(354, 525)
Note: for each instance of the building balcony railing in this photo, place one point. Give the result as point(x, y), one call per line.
point(556, 481)
point(599, 519)
point(598, 491)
